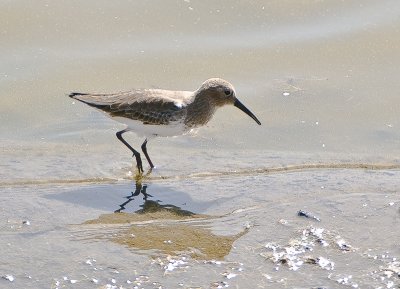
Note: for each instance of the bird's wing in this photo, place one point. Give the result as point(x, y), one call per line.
point(151, 106)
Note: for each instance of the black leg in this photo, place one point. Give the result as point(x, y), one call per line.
point(144, 149)
point(135, 153)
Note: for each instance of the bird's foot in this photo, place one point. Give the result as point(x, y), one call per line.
point(148, 172)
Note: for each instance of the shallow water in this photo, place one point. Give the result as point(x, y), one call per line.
point(322, 77)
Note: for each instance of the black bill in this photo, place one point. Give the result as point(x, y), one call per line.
point(240, 106)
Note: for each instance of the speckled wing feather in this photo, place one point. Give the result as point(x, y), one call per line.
point(150, 106)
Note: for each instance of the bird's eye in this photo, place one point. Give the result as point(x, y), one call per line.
point(227, 92)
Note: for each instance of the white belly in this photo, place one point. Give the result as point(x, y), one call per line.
point(150, 130)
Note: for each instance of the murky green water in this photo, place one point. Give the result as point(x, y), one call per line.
point(322, 77)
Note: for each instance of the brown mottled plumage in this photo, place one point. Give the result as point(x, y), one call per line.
point(157, 112)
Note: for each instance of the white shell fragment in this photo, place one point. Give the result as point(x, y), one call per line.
point(230, 275)
point(9, 277)
point(173, 264)
point(325, 263)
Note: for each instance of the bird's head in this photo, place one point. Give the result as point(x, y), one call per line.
point(220, 92)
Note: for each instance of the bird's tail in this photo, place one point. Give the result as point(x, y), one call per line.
point(94, 100)
point(76, 94)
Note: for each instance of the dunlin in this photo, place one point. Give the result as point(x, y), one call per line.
point(158, 112)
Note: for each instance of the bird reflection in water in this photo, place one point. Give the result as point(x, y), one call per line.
point(139, 190)
point(171, 230)
point(151, 206)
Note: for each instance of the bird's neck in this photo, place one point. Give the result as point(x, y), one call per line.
point(200, 111)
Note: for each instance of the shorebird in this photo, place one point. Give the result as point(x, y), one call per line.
point(158, 112)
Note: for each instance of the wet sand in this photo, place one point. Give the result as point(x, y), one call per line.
point(222, 207)
point(200, 232)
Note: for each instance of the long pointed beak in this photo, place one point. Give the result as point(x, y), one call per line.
point(240, 106)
